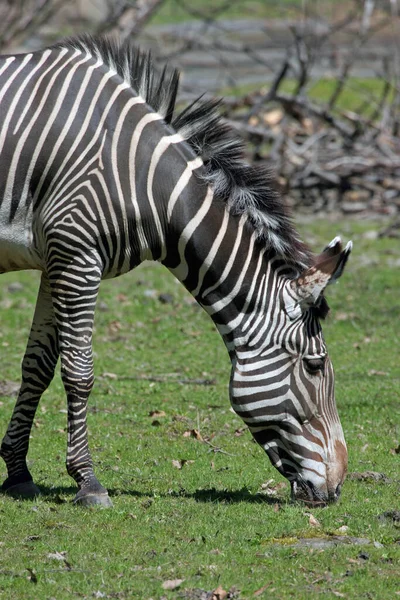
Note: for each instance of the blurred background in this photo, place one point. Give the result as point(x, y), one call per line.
point(311, 85)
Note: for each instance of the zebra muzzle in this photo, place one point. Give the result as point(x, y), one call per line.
point(307, 493)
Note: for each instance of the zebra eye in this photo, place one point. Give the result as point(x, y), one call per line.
point(314, 365)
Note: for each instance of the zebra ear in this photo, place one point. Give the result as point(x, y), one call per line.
point(328, 266)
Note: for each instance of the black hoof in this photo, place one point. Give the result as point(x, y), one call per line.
point(26, 490)
point(93, 499)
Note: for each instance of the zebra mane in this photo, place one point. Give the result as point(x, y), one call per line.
point(247, 189)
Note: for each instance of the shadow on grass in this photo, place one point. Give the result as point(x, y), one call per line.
point(58, 495)
point(225, 496)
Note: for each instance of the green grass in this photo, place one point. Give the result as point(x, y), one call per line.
point(173, 11)
point(208, 523)
point(361, 95)
point(176, 11)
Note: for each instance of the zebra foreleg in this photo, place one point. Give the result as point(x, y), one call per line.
point(74, 298)
point(37, 372)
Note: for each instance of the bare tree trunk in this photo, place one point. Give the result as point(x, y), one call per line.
point(130, 18)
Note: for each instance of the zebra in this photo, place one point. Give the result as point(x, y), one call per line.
point(98, 174)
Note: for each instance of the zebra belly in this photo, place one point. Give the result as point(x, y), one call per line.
point(16, 250)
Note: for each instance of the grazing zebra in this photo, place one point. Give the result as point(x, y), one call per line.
point(97, 175)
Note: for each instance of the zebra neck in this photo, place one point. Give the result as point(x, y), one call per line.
point(218, 259)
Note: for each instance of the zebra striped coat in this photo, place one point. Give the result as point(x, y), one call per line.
point(97, 175)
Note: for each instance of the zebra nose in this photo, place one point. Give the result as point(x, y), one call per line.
point(336, 494)
point(306, 492)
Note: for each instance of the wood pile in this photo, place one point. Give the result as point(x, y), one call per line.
point(322, 160)
point(326, 157)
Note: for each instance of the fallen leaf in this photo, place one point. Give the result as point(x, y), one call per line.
point(178, 464)
point(219, 594)
point(121, 297)
point(61, 556)
point(313, 521)
point(172, 584)
point(57, 555)
point(107, 375)
point(377, 373)
point(261, 590)
point(32, 575)
point(273, 489)
point(240, 431)
point(157, 413)
point(114, 327)
point(180, 418)
point(193, 433)
point(342, 316)
point(265, 486)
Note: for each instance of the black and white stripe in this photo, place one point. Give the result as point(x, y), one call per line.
point(98, 175)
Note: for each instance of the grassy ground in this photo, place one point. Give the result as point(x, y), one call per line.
point(209, 523)
point(176, 11)
point(360, 94)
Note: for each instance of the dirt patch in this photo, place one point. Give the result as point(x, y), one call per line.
point(369, 477)
point(390, 516)
point(331, 541)
point(9, 388)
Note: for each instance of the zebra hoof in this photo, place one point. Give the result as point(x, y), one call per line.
point(24, 491)
point(102, 500)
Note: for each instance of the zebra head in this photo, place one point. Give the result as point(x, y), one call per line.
point(284, 391)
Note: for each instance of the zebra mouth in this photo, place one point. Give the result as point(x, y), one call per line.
point(307, 493)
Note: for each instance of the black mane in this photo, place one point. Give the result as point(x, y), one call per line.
point(245, 188)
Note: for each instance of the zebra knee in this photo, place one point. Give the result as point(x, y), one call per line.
point(77, 380)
